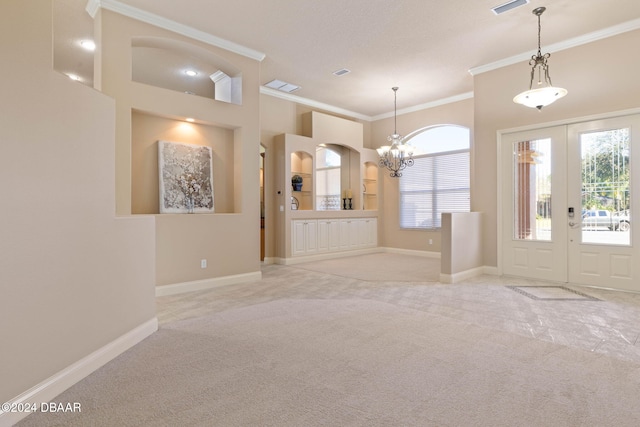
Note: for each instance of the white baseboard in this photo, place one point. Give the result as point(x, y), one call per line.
point(463, 275)
point(48, 389)
point(214, 282)
point(492, 271)
point(426, 254)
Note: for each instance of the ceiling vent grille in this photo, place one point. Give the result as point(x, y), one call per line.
point(508, 6)
point(341, 72)
point(282, 86)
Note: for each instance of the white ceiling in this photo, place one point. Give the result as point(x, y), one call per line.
point(425, 47)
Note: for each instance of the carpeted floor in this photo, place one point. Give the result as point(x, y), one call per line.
point(305, 348)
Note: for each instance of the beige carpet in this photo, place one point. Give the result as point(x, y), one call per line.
point(350, 362)
point(381, 267)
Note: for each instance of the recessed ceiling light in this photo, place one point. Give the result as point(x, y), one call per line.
point(191, 73)
point(282, 86)
point(508, 6)
point(88, 44)
point(341, 72)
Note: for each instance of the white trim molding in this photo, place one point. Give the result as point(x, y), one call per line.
point(426, 106)
point(311, 103)
point(556, 47)
point(333, 109)
point(168, 24)
point(426, 254)
point(48, 389)
point(462, 275)
point(200, 285)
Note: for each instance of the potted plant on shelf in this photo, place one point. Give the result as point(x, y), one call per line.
point(296, 182)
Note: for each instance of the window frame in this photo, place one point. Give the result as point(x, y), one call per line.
point(435, 190)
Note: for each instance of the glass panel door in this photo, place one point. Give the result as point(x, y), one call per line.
point(533, 226)
point(602, 186)
point(606, 192)
point(532, 190)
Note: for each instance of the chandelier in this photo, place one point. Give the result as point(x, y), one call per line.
point(398, 155)
point(545, 93)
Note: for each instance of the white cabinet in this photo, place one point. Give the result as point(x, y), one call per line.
point(334, 235)
point(304, 237)
point(349, 233)
point(323, 235)
point(328, 235)
point(369, 232)
point(310, 236)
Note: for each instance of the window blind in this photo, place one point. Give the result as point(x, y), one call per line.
point(434, 184)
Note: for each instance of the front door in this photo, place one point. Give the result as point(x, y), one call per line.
point(534, 231)
point(603, 192)
point(568, 197)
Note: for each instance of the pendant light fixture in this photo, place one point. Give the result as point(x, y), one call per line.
point(545, 93)
point(398, 155)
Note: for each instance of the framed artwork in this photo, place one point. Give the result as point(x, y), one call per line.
point(186, 177)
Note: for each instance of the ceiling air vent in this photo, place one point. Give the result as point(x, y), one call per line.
point(508, 6)
point(341, 72)
point(282, 86)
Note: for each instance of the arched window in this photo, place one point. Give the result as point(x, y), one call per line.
point(327, 179)
point(439, 179)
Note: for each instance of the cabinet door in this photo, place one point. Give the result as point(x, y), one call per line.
point(324, 236)
point(298, 246)
point(362, 225)
point(344, 234)
point(311, 236)
point(354, 233)
point(370, 232)
point(334, 235)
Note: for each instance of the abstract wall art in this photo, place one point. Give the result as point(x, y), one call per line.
point(186, 178)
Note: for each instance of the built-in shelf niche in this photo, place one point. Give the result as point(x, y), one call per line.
point(370, 186)
point(302, 165)
point(147, 129)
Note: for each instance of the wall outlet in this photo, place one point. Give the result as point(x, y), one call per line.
point(431, 241)
point(203, 263)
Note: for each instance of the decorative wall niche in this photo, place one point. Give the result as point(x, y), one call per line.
point(370, 186)
point(302, 166)
point(147, 129)
point(186, 68)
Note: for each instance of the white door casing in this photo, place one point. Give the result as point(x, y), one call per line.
point(540, 252)
point(573, 251)
point(598, 256)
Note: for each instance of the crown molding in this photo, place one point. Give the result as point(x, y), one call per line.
point(311, 103)
point(333, 109)
point(556, 47)
point(420, 107)
point(140, 15)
